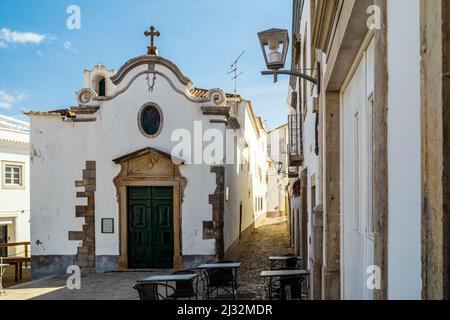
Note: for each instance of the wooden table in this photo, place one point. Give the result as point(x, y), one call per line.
point(234, 266)
point(270, 274)
point(18, 264)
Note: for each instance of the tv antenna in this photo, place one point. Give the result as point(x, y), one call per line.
point(235, 71)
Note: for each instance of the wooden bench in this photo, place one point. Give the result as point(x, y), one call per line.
point(17, 261)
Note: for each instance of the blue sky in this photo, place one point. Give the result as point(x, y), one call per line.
point(41, 60)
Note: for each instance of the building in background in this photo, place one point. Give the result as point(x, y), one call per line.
point(14, 183)
point(278, 180)
point(246, 183)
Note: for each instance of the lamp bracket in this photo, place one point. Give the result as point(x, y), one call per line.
point(275, 74)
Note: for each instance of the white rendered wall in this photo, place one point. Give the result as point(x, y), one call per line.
point(311, 162)
point(63, 148)
point(244, 186)
point(404, 242)
point(258, 158)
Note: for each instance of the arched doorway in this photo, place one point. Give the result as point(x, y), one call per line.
point(150, 192)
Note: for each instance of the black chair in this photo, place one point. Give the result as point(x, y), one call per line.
point(291, 262)
point(297, 285)
point(288, 287)
point(221, 279)
point(294, 285)
point(186, 289)
point(151, 291)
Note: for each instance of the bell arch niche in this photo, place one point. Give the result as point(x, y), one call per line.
point(149, 168)
point(99, 84)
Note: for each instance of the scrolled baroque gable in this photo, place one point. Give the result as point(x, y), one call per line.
point(151, 165)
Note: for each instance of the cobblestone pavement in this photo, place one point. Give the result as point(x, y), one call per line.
point(268, 240)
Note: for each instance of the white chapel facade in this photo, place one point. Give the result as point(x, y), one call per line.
point(107, 192)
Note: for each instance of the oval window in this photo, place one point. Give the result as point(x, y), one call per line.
point(150, 120)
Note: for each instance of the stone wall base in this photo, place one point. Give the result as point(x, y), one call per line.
point(107, 263)
point(43, 266)
point(330, 284)
point(192, 261)
point(113, 263)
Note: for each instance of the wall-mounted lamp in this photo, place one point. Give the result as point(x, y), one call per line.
point(274, 44)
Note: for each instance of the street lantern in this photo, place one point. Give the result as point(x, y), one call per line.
point(274, 44)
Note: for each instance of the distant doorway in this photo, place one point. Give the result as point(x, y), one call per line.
point(240, 221)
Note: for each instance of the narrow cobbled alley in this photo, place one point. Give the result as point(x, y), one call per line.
point(270, 239)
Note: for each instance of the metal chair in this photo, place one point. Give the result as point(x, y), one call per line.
point(291, 262)
point(221, 279)
point(185, 288)
point(151, 291)
point(298, 287)
point(294, 285)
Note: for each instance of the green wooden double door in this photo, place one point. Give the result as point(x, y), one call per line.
point(150, 227)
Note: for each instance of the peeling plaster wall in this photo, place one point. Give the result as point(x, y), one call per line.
point(404, 235)
point(57, 163)
point(63, 147)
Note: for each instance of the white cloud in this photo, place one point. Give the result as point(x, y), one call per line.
point(16, 37)
point(7, 100)
point(67, 45)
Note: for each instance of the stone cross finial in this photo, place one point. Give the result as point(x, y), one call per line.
point(152, 50)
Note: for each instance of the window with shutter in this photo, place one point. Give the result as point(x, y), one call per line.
point(12, 175)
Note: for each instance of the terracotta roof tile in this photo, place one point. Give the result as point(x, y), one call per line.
point(70, 112)
point(202, 93)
